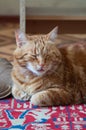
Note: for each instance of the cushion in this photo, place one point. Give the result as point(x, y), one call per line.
point(5, 78)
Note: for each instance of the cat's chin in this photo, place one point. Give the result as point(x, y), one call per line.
point(35, 72)
point(38, 73)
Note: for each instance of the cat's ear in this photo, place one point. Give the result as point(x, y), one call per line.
point(53, 34)
point(20, 38)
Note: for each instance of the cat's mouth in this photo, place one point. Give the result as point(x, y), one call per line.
point(41, 70)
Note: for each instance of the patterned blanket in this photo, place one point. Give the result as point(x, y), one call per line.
point(18, 115)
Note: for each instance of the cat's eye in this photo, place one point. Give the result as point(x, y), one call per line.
point(35, 55)
point(22, 56)
point(47, 57)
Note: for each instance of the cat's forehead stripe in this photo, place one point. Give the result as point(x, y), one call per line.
point(39, 44)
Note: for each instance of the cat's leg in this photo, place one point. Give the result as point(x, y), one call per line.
point(19, 94)
point(51, 97)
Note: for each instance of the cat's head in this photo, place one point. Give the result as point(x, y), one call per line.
point(37, 53)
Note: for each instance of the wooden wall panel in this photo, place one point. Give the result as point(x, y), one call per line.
point(45, 24)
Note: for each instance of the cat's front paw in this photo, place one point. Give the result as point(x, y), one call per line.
point(39, 99)
point(22, 96)
point(25, 96)
point(19, 94)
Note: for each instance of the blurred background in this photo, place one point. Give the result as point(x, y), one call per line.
point(43, 15)
point(45, 7)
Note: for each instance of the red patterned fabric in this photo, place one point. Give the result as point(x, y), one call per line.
point(18, 115)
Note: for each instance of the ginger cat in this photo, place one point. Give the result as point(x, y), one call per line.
point(48, 74)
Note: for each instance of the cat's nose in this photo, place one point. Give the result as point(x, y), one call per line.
point(41, 65)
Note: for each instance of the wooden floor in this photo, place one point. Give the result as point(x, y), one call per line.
point(8, 44)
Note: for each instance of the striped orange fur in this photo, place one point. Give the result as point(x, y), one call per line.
point(48, 74)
